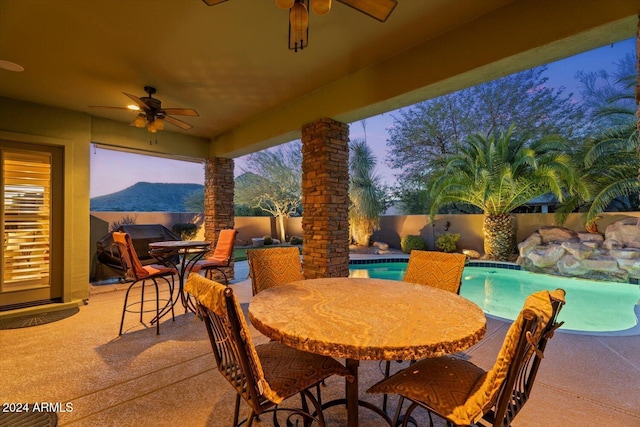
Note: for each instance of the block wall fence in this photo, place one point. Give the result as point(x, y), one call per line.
point(392, 227)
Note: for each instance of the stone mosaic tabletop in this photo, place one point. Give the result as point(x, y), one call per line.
point(367, 319)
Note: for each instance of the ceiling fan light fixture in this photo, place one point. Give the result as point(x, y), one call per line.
point(140, 121)
point(321, 7)
point(159, 123)
point(285, 4)
point(151, 127)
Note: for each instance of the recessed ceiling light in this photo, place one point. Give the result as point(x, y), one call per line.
point(11, 66)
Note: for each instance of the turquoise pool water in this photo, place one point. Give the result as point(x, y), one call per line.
point(592, 307)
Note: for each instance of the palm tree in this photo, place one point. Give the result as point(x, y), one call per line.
point(609, 163)
point(498, 174)
point(368, 196)
point(609, 160)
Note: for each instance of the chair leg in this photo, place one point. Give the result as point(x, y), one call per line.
point(142, 301)
point(171, 288)
point(124, 307)
point(385, 397)
point(236, 413)
point(305, 408)
point(396, 417)
point(155, 283)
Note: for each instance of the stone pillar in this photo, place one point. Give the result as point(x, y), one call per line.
point(218, 202)
point(325, 199)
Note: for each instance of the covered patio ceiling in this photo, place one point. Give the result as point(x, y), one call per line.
point(231, 63)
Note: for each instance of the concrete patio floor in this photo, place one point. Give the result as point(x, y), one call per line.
point(143, 379)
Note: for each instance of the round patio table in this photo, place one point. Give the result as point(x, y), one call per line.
point(367, 319)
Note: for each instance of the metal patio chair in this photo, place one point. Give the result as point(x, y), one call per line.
point(135, 271)
point(273, 266)
point(264, 375)
point(438, 269)
point(465, 394)
point(221, 256)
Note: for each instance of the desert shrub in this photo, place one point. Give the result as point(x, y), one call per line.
point(125, 220)
point(268, 240)
point(410, 242)
point(185, 230)
point(447, 242)
point(295, 240)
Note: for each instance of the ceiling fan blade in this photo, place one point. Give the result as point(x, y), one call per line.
point(181, 111)
point(177, 122)
point(377, 9)
point(111, 108)
point(138, 101)
point(213, 2)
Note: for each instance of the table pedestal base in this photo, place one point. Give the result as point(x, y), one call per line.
point(352, 402)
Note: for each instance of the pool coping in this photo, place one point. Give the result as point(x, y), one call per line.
point(401, 258)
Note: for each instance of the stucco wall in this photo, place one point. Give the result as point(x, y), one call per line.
point(35, 124)
point(392, 227)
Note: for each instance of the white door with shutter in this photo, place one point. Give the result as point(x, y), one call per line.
point(28, 191)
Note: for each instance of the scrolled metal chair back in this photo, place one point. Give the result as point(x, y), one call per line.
point(516, 388)
point(230, 351)
point(273, 266)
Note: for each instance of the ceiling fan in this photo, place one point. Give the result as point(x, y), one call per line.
point(378, 9)
point(299, 14)
point(151, 114)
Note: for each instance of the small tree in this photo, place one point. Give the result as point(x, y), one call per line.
point(426, 133)
point(367, 194)
point(272, 182)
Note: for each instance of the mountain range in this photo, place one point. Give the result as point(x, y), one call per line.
point(146, 197)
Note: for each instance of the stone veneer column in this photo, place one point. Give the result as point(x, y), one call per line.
point(325, 199)
point(218, 202)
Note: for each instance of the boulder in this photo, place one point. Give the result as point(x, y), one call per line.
point(625, 231)
point(591, 238)
point(568, 265)
point(381, 246)
point(552, 234)
point(592, 245)
point(577, 249)
point(470, 253)
point(530, 243)
point(610, 244)
point(625, 253)
point(632, 266)
point(546, 256)
point(606, 264)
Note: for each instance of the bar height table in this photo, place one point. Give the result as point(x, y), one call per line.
point(188, 252)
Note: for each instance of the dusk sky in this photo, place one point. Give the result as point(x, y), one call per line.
point(105, 163)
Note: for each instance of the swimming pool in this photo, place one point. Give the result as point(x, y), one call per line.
point(592, 307)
